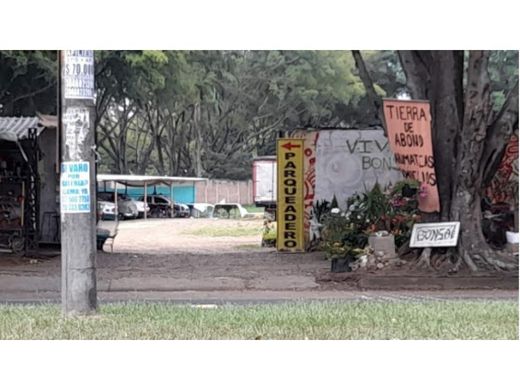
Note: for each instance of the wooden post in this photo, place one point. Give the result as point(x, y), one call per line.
point(145, 199)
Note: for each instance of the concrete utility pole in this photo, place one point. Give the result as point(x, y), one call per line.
point(77, 182)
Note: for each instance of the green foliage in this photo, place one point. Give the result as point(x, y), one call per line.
point(28, 82)
point(210, 112)
point(346, 234)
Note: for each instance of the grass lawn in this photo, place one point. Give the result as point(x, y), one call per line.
point(353, 320)
point(251, 208)
point(225, 231)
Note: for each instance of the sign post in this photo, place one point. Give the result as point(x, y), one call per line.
point(77, 182)
point(290, 211)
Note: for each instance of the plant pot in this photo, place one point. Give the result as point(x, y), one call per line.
point(512, 237)
point(408, 191)
point(341, 264)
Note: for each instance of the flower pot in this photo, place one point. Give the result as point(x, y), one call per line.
point(512, 237)
point(408, 191)
point(341, 264)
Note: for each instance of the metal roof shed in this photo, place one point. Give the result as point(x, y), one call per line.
point(145, 181)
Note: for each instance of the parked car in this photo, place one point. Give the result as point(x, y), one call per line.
point(230, 210)
point(161, 206)
point(126, 207)
point(201, 210)
point(106, 210)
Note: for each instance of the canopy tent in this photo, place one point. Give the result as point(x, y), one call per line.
point(141, 180)
point(16, 128)
point(145, 181)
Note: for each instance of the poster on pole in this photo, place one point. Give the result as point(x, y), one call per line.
point(75, 187)
point(76, 125)
point(408, 124)
point(78, 74)
point(289, 208)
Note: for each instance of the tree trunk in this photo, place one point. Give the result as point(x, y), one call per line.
point(465, 144)
point(446, 108)
point(467, 195)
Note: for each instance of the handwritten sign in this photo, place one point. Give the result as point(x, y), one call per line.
point(75, 187)
point(439, 234)
point(352, 161)
point(408, 124)
point(78, 74)
point(289, 213)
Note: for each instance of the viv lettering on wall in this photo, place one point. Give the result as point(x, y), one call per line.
point(408, 123)
point(289, 213)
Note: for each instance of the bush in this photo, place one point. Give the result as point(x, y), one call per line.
point(394, 210)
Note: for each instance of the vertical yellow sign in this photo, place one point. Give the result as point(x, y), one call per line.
point(289, 205)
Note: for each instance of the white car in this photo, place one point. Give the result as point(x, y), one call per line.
point(106, 210)
point(126, 207)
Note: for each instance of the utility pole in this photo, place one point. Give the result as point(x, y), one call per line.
point(77, 182)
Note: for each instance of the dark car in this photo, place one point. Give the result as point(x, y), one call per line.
point(161, 206)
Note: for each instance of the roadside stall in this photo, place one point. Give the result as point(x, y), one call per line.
point(19, 183)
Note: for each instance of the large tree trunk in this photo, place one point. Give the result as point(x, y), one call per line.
point(467, 195)
point(465, 144)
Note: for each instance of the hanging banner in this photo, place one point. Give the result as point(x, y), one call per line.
point(75, 187)
point(78, 74)
point(289, 208)
point(408, 124)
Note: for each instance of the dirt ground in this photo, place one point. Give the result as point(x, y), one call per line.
point(166, 236)
point(192, 255)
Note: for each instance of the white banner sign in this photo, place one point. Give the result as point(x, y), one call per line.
point(75, 187)
point(78, 74)
point(439, 234)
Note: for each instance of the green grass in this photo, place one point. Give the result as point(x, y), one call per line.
point(354, 320)
point(251, 208)
point(225, 231)
point(248, 246)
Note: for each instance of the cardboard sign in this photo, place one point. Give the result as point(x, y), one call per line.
point(289, 213)
point(408, 124)
point(75, 187)
point(439, 234)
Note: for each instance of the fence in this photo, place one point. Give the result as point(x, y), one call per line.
point(230, 191)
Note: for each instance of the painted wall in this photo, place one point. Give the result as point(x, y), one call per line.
point(181, 194)
point(231, 191)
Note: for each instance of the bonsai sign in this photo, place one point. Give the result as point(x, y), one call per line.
point(289, 215)
point(408, 123)
point(439, 234)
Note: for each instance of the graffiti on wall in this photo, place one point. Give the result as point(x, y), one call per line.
point(352, 161)
point(501, 188)
point(309, 175)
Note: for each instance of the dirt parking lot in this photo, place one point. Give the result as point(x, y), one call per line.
point(204, 235)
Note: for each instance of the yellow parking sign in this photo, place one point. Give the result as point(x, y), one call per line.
point(289, 205)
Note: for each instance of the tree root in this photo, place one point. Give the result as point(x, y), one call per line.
point(486, 260)
point(424, 260)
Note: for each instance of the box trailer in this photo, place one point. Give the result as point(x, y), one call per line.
point(264, 181)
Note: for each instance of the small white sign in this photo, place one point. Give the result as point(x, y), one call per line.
point(78, 74)
point(75, 187)
point(438, 234)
